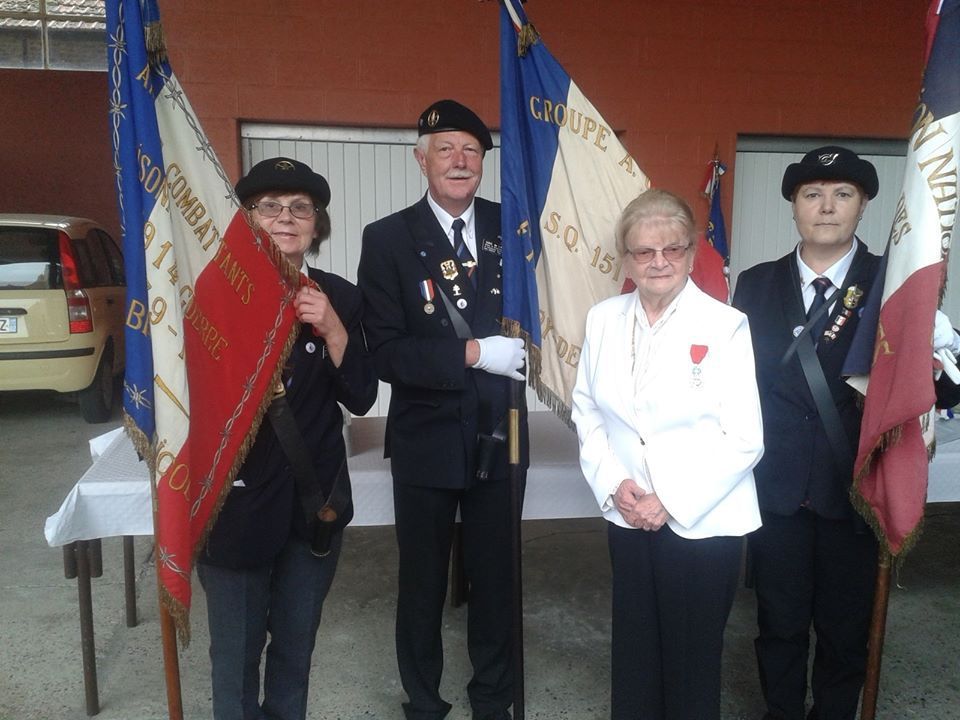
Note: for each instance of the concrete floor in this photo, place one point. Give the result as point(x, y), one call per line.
point(566, 574)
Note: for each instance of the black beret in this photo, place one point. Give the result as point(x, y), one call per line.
point(282, 173)
point(831, 162)
point(447, 115)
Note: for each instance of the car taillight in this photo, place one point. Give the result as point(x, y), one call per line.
point(78, 312)
point(68, 264)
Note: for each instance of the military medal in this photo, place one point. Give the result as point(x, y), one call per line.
point(852, 298)
point(449, 269)
point(697, 354)
point(427, 293)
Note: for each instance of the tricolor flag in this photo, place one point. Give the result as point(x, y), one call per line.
point(716, 227)
point(209, 315)
point(890, 474)
point(710, 271)
point(565, 178)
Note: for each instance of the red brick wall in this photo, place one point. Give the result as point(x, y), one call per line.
point(676, 79)
point(55, 152)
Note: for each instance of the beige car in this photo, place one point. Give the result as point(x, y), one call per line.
point(61, 309)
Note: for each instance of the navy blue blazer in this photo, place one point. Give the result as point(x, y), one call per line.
point(263, 508)
point(437, 406)
point(798, 463)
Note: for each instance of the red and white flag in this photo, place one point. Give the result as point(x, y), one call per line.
point(209, 303)
point(891, 470)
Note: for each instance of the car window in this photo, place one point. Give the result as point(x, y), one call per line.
point(29, 259)
point(92, 262)
point(114, 258)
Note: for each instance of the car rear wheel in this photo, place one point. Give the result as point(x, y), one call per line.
point(96, 401)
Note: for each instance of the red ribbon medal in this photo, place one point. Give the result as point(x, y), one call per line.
point(697, 354)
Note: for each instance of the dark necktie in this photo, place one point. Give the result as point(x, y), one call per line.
point(463, 252)
point(822, 286)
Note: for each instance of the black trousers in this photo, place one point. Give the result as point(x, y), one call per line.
point(671, 601)
point(424, 524)
point(810, 569)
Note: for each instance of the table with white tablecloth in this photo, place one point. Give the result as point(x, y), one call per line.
point(113, 496)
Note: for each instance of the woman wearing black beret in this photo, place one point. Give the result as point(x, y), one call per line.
point(267, 567)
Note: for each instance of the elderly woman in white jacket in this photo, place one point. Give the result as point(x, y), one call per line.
point(668, 417)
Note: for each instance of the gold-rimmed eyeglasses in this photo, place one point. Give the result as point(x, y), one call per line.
point(644, 255)
point(272, 209)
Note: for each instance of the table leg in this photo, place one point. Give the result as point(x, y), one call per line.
point(129, 581)
point(87, 648)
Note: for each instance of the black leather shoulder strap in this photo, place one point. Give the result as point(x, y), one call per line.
point(291, 440)
point(412, 218)
point(823, 398)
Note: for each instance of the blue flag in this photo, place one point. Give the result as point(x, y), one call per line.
point(565, 179)
point(716, 227)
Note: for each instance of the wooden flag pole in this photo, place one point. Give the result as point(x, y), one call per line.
point(516, 513)
point(168, 627)
point(878, 628)
point(171, 664)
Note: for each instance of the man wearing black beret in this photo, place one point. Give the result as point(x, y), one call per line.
point(814, 560)
point(430, 276)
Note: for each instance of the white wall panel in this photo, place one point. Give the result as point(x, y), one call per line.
point(372, 173)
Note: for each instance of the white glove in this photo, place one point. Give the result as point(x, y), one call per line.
point(501, 356)
point(944, 336)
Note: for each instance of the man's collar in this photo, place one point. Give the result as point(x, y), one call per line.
point(446, 219)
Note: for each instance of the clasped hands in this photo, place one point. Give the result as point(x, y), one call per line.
point(639, 508)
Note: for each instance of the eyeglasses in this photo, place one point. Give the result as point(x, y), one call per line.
point(271, 209)
point(671, 253)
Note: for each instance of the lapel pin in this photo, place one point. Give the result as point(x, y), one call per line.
point(852, 298)
point(449, 269)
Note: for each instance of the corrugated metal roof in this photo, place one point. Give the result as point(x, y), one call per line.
point(86, 8)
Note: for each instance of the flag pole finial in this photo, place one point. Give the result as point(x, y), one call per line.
point(527, 37)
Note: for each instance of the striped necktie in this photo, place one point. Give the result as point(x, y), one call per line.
point(463, 252)
point(821, 286)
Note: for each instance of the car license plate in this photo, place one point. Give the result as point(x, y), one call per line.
point(8, 325)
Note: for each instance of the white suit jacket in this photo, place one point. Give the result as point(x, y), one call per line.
point(693, 444)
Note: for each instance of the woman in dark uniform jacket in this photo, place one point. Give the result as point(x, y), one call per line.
point(257, 569)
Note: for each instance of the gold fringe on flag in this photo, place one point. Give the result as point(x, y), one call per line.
point(511, 328)
point(156, 43)
point(887, 440)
